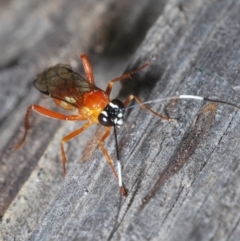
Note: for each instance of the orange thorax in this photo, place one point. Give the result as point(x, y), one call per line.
point(93, 104)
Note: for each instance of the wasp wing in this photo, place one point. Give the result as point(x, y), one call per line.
point(62, 83)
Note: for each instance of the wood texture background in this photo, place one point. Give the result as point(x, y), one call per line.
point(182, 176)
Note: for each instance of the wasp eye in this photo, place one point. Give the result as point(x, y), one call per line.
point(104, 119)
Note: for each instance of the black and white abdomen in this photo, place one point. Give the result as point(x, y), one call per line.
point(112, 114)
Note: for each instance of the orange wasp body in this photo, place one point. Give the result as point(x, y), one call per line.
point(71, 91)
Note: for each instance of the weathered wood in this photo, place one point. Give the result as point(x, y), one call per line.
point(182, 176)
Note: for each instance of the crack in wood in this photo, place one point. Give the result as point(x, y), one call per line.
point(198, 130)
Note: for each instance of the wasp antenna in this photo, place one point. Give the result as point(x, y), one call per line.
point(119, 169)
point(192, 97)
point(121, 187)
point(153, 101)
point(207, 99)
point(222, 102)
point(119, 166)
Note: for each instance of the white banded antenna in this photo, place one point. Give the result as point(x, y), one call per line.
point(192, 97)
point(119, 166)
point(119, 169)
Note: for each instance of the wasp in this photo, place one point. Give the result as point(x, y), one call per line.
point(71, 91)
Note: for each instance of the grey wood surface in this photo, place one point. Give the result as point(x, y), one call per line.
point(182, 176)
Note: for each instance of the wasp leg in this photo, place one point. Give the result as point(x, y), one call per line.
point(109, 160)
point(131, 97)
point(87, 68)
point(43, 111)
point(124, 76)
point(68, 138)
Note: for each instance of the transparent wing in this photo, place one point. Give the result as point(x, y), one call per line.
point(62, 83)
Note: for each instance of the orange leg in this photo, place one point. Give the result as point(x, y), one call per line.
point(49, 113)
point(109, 160)
point(87, 68)
point(124, 76)
point(130, 97)
point(68, 138)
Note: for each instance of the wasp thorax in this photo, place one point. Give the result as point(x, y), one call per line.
point(112, 114)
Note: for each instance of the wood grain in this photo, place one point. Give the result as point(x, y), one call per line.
point(182, 176)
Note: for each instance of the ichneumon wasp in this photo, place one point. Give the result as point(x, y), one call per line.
point(71, 91)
